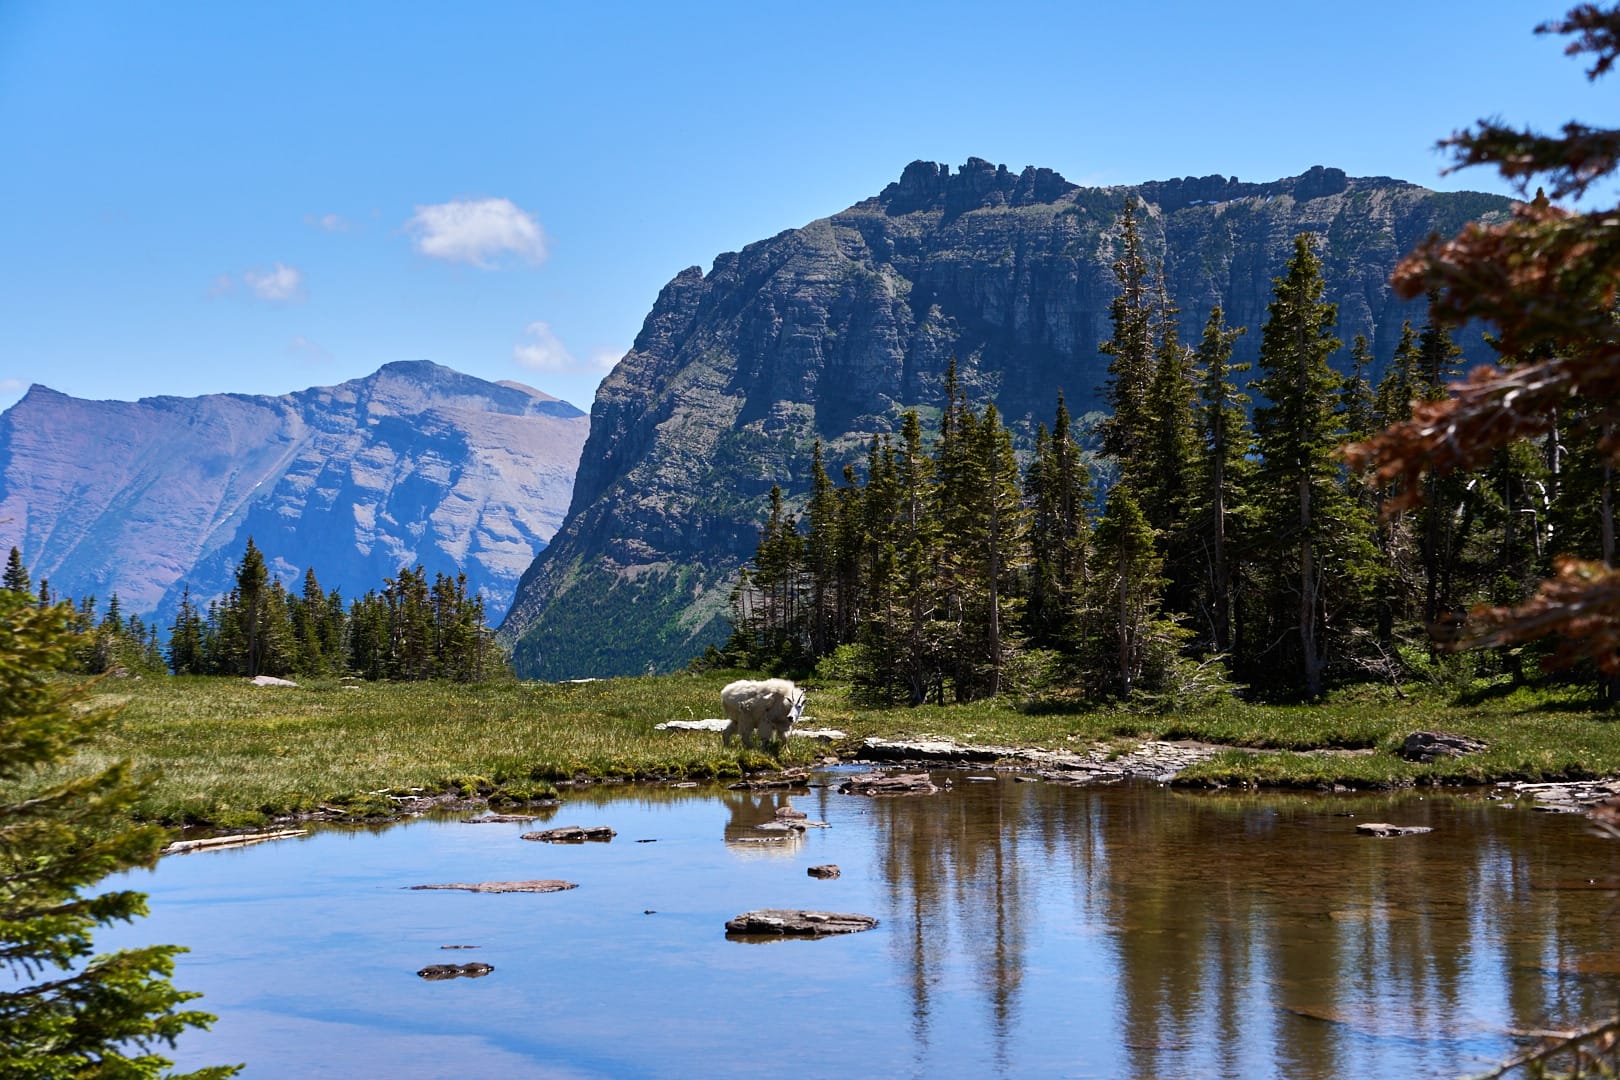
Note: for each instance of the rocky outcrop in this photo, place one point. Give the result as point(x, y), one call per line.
point(831, 330)
point(777, 922)
point(1430, 745)
point(440, 972)
point(413, 464)
point(888, 783)
point(1385, 830)
point(572, 834)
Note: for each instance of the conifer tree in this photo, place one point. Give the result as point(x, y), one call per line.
point(1003, 531)
point(1441, 519)
point(63, 1012)
point(1127, 432)
point(252, 588)
point(917, 539)
point(1126, 594)
point(1057, 487)
point(1357, 402)
point(186, 638)
point(1167, 498)
point(16, 577)
point(309, 619)
point(1318, 531)
point(1225, 441)
point(821, 555)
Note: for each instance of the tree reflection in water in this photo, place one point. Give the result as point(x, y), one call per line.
point(1252, 934)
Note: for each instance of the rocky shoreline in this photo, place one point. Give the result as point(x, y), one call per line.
point(1156, 761)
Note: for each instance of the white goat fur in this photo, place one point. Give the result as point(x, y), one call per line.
point(760, 710)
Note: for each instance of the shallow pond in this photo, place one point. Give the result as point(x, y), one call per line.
point(1026, 929)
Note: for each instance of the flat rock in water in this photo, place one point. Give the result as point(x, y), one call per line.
point(438, 972)
point(504, 886)
point(572, 834)
point(826, 873)
point(1383, 828)
point(888, 784)
point(1429, 745)
point(780, 922)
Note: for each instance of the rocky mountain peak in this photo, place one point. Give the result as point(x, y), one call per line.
point(829, 331)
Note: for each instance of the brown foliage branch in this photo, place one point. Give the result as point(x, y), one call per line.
point(1547, 279)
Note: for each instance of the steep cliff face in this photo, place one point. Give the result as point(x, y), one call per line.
point(413, 464)
point(829, 331)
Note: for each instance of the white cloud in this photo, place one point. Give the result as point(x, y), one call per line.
point(278, 284)
point(223, 285)
point(541, 350)
point(605, 359)
point(11, 387)
point(476, 231)
point(312, 351)
point(327, 222)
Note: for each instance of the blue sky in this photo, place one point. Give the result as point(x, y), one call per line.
point(205, 197)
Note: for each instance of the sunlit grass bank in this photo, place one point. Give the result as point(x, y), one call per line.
point(221, 751)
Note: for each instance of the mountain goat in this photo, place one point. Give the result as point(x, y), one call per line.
point(760, 711)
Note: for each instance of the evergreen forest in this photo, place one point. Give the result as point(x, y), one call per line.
point(411, 629)
point(1234, 546)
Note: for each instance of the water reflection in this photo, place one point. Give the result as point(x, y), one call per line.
point(1258, 934)
point(757, 824)
point(1027, 929)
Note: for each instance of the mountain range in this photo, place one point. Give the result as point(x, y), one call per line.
point(830, 331)
point(415, 463)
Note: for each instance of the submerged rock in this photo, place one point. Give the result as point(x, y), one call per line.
point(543, 808)
point(439, 972)
point(543, 886)
point(572, 834)
point(1383, 828)
point(779, 922)
point(888, 784)
point(1428, 745)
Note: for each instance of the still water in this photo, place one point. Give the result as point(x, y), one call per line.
point(1027, 929)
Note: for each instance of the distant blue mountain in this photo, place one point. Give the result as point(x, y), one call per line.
point(415, 463)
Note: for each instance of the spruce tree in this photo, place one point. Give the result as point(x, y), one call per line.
point(821, 555)
point(1128, 585)
point(252, 589)
point(65, 1013)
point(917, 554)
point(186, 638)
point(1127, 432)
point(1225, 442)
point(1167, 497)
point(1057, 487)
point(16, 578)
point(1443, 518)
point(1318, 532)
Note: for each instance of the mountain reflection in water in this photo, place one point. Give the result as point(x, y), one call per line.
point(1026, 929)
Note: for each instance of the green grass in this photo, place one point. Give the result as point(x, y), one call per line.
point(222, 752)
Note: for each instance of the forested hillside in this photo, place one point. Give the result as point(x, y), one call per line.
point(833, 331)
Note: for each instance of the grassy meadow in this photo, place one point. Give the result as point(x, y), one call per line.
point(222, 752)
